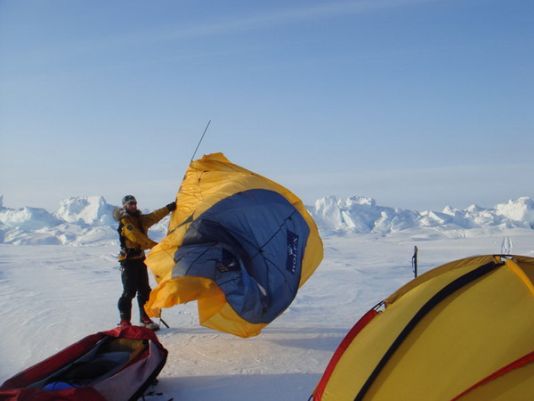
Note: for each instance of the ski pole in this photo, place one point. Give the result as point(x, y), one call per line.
point(414, 261)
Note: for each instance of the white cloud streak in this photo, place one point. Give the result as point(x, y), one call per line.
point(288, 16)
point(232, 24)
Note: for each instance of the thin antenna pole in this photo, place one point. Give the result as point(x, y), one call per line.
point(201, 138)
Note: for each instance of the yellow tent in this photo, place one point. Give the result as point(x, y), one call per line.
point(463, 331)
point(238, 243)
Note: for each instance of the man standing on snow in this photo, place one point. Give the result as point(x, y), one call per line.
point(133, 228)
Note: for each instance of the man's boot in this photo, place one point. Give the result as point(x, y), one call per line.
point(125, 321)
point(148, 323)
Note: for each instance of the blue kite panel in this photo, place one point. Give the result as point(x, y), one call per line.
point(251, 244)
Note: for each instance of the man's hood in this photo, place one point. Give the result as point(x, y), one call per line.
point(120, 212)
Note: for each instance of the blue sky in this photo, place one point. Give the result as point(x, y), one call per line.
point(417, 103)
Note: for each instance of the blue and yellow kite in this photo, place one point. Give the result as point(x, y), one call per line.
point(239, 243)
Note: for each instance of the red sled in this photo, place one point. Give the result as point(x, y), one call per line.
point(116, 365)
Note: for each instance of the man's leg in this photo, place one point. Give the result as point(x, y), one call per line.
point(144, 289)
point(129, 288)
point(142, 298)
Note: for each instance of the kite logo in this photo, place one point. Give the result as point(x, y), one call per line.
point(292, 247)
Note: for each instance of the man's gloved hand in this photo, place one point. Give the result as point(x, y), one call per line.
point(171, 206)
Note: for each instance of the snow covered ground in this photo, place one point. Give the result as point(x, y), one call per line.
point(53, 295)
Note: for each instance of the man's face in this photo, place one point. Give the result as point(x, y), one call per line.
point(131, 206)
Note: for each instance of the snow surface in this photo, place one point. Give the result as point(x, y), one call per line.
point(54, 295)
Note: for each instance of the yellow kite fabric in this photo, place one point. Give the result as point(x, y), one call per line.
point(238, 243)
point(463, 331)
